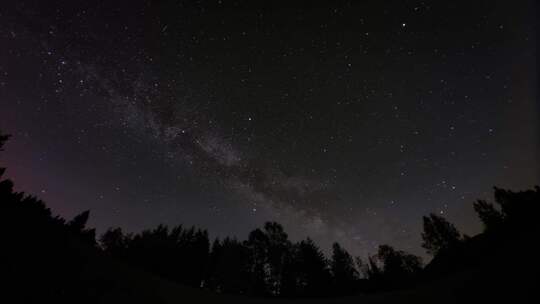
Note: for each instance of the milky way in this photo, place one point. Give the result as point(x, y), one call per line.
point(345, 122)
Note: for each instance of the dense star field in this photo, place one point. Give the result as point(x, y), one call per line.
point(344, 121)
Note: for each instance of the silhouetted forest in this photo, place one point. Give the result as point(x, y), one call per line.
point(45, 257)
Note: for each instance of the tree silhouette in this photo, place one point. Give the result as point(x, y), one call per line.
point(488, 214)
point(114, 242)
point(258, 257)
point(278, 248)
point(344, 272)
point(228, 271)
point(3, 140)
point(438, 234)
point(313, 275)
point(177, 254)
point(398, 266)
point(391, 269)
point(43, 257)
point(373, 271)
point(486, 261)
point(78, 225)
point(518, 209)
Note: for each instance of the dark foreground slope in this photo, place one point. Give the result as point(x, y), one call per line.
point(126, 285)
point(102, 280)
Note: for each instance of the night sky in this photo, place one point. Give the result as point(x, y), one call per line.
point(344, 121)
